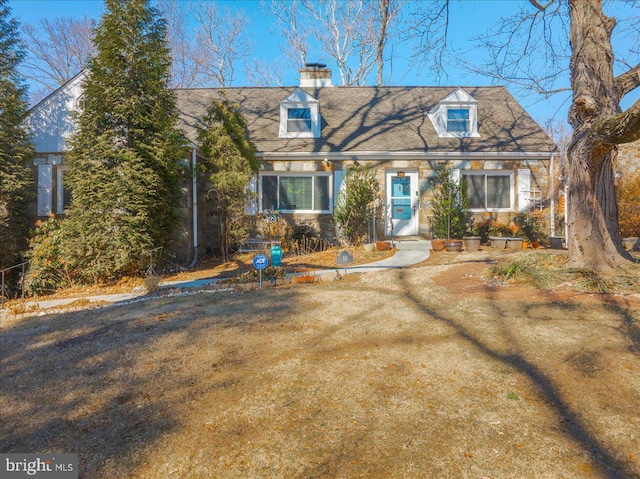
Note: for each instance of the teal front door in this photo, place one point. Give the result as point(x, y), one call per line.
point(402, 203)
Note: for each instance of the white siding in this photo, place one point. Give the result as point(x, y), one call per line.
point(50, 120)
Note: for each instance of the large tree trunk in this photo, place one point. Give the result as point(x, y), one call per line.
point(599, 126)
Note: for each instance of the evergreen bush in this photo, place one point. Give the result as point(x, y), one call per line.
point(124, 157)
point(16, 151)
point(230, 163)
point(450, 206)
point(355, 206)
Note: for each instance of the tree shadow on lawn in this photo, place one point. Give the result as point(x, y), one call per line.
point(106, 384)
point(610, 464)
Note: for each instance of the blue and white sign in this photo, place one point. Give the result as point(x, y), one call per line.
point(260, 261)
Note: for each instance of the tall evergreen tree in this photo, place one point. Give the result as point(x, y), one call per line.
point(124, 157)
point(230, 162)
point(16, 150)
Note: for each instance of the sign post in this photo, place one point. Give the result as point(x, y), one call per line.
point(260, 262)
point(344, 258)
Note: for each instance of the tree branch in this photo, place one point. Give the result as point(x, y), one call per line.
point(540, 7)
point(618, 129)
point(628, 81)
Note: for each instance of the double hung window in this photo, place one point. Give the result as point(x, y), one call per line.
point(458, 120)
point(489, 191)
point(298, 120)
point(296, 192)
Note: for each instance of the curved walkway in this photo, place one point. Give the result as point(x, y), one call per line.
point(408, 253)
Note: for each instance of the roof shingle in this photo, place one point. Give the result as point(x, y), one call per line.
point(374, 119)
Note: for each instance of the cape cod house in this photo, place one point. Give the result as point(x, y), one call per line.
point(309, 135)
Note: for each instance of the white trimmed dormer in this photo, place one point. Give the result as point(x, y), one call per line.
point(456, 116)
point(299, 116)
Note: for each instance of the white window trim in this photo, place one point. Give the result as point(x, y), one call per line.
point(301, 174)
point(60, 209)
point(315, 120)
point(509, 173)
point(458, 100)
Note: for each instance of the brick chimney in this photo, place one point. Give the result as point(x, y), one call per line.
point(315, 75)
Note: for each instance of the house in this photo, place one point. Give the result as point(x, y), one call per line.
point(309, 135)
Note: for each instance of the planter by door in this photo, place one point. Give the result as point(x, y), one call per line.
point(556, 242)
point(369, 247)
point(383, 245)
point(498, 242)
point(631, 243)
point(437, 244)
point(453, 245)
point(472, 243)
point(514, 243)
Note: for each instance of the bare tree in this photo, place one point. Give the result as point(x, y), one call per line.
point(353, 34)
point(57, 50)
point(385, 13)
point(185, 71)
point(566, 45)
point(261, 73)
point(292, 29)
point(222, 43)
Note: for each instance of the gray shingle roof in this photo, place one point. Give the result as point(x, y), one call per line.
point(375, 119)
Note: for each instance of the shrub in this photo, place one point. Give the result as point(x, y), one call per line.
point(629, 205)
point(532, 226)
point(482, 229)
point(355, 205)
point(500, 229)
point(48, 268)
point(450, 207)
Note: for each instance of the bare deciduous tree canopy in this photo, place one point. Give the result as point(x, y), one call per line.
point(562, 45)
point(57, 50)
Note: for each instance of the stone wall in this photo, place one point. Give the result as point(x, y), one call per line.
point(629, 158)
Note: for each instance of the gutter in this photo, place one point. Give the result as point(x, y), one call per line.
point(408, 155)
point(194, 189)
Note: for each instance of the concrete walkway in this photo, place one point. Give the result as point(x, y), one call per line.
point(408, 253)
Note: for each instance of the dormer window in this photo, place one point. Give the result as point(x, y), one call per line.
point(456, 116)
point(458, 120)
point(299, 116)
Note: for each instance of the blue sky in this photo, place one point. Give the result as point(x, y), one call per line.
point(468, 18)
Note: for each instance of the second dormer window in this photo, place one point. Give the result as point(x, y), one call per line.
point(299, 116)
point(298, 120)
point(458, 120)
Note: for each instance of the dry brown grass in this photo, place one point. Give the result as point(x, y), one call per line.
point(427, 372)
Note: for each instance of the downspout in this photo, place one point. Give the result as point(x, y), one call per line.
point(194, 189)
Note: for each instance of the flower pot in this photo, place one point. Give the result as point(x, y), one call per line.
point(498, 242)
point(514, 243)
point(437, 244)
point(453, 245)
point(472, 243)
point(369, 247)
point(525, 244)
point(630, 243)
point(556, 242)
point(535, 245)
point(383, 245)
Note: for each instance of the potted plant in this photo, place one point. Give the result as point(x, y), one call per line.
point(450, 210)
point(499, 234)
point(532, 227)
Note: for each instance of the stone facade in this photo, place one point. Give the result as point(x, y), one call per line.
point(629, 158)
